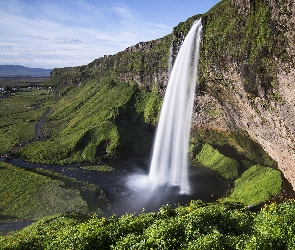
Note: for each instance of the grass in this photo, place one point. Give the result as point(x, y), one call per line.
point(100, 168)
point(212, 159)
point(97, 121)
point(197, 226)
point(26, 195)
point(33, 194)
point(18, 115)
point(256, 185)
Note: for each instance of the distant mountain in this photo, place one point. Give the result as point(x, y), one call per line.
point(22, 71)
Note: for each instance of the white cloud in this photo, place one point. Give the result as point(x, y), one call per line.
point(54, 35)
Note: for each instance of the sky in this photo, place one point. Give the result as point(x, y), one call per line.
point(66, 33)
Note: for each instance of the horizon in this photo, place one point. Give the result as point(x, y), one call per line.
point(56, 34)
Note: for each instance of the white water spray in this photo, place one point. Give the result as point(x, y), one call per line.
point(169, 164)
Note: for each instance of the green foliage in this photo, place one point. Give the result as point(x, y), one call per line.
point(152, 107)
point(256, 185)
point(211, 158)
point(197, 226)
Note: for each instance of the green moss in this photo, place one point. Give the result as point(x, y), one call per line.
point(256, 185)
point(241, 145)
point(211, 158)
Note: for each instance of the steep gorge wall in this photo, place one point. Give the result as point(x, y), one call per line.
point(247, 75)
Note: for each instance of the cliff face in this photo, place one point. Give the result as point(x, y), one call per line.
point(145, 64)
point(246, 75)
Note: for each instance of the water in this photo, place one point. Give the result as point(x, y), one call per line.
point(127, 188)
point(169, 164)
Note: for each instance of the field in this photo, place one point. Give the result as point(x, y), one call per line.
point(31, 194)
point(21, 106)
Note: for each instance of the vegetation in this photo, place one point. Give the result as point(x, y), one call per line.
point(96, 121)
point(211, 158)
point(238, 143)
point(257, 184)
point(197, 226)
point(98, 116)
point(19, 113)
point(253, 185)
point(32, 194)
point(255, 50)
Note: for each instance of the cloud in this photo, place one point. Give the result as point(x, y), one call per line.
point(68, 40)
point(124, 13)
point(61, 33)
point(161, 26)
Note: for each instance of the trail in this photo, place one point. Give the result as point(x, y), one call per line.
point(39, 136)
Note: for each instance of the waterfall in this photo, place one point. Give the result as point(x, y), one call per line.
point(169, 163)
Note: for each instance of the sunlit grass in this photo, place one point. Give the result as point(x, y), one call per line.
point(100, 168)
point(256, 185)
point(212, 159)
point(19, 114)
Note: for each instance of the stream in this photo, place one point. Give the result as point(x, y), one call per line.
point(124, 187)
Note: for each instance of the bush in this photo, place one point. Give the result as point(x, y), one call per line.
point(197, 226)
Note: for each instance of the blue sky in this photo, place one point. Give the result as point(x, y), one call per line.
point(62, 33)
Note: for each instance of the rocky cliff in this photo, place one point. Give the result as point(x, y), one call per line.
point(247, 75)
point(245, 99)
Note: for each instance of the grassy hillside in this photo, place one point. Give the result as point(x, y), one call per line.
point(32, 194)
point(98, 120)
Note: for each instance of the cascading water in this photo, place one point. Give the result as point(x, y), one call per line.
point(169, 164)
